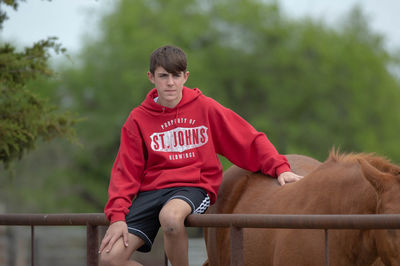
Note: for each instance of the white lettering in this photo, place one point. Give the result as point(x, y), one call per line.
point(181, 156)
point(179, 139)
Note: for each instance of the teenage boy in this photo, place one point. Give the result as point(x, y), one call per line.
point(167, 162)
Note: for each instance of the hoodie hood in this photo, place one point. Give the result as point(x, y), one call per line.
point(188, 96)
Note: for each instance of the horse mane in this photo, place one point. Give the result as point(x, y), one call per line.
point(379, 162)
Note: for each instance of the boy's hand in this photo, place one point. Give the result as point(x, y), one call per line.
point(288, 177)
point(114, 232)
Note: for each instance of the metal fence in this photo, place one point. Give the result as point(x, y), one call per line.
point(91, 220)
point(236, 223)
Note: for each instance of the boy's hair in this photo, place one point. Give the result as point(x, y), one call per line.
point(171, 58)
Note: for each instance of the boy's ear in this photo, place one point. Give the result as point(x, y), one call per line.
point(186, 75)
point(150, 76)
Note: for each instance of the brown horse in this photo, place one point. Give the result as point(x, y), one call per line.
point(343, 184)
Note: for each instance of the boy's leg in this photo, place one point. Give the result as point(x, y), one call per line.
point(172, 218)
point(120, 254)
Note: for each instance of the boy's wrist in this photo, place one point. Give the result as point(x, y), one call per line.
point(281, 169)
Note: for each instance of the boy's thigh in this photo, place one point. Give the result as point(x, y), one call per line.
point(197, 199)
point(143, 217)
point(175, 210)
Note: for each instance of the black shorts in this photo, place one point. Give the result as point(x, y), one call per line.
point(142, 219)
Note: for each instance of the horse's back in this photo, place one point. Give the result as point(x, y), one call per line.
point(301, 164)
point(235, 181)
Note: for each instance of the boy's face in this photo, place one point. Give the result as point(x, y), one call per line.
point(169, 86)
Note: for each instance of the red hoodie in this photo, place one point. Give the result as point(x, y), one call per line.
point(162, 147)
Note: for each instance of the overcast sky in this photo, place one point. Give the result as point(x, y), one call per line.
point(69, 19)
point(383, 14)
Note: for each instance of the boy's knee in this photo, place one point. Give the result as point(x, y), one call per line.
point(171, 222)
point(172, 216)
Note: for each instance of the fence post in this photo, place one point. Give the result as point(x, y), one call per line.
point(326, 247)
point(237, 258)
point(32, 245)
point(92, 245)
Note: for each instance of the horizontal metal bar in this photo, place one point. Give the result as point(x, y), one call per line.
point(362, 221)
point(26, 219)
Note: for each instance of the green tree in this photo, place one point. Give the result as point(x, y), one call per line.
point(25, 116)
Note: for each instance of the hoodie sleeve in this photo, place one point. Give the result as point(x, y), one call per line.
point(126, 174)
point(244, 146)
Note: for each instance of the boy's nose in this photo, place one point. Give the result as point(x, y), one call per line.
point(170, 80)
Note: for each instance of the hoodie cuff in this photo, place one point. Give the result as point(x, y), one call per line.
point(115, 217)
point(281, 169)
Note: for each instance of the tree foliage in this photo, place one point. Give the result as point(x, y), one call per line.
point(308, 86)
point(25, 116)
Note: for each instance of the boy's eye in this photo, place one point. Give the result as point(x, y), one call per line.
point(166, 75)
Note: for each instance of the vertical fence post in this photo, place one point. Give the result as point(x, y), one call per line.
point(326, 248)
point(92, 245)
point(237, 258)
point(32, 245)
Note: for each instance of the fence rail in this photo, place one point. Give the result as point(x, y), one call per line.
point(234, 221)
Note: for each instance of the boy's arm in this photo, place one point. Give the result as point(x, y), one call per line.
point(125, 175)
point(244, 146)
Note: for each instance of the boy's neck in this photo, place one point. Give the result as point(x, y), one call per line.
point(169, 104)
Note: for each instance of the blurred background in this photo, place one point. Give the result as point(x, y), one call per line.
point(312, 75)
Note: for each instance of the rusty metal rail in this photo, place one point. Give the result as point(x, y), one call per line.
point(90, 220)
point(234, 221)
point(362, 221)
point(237, 222)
